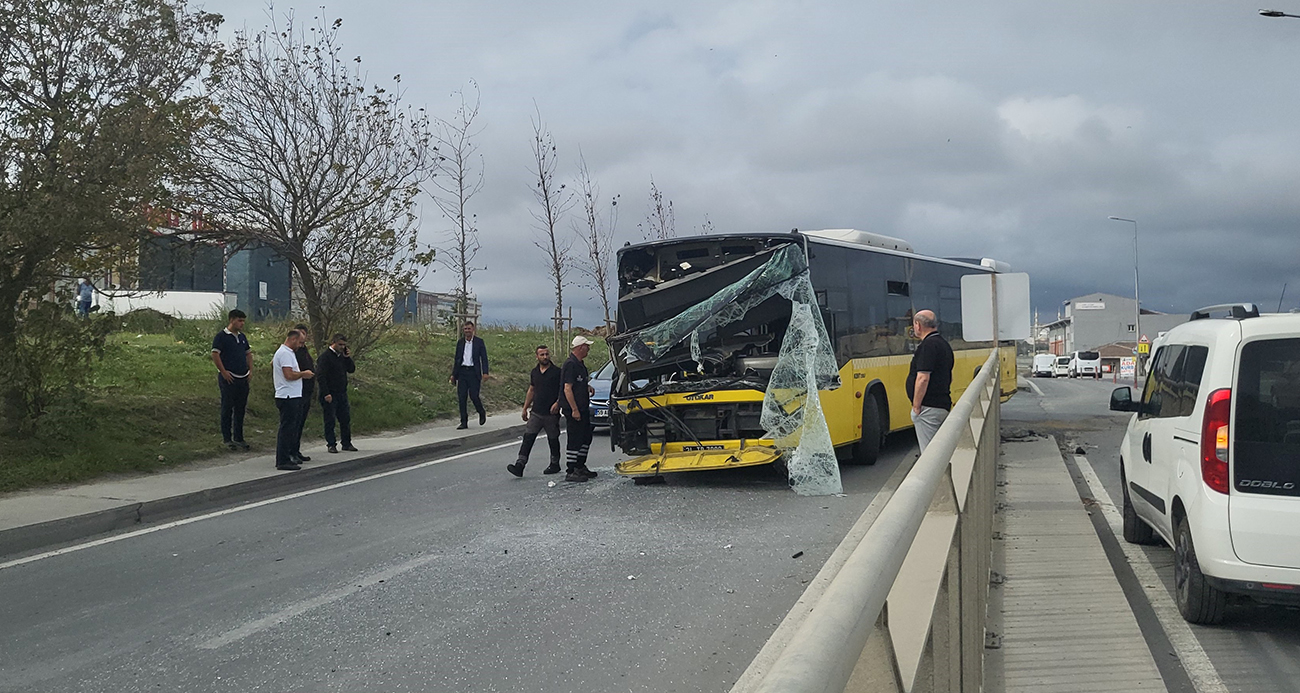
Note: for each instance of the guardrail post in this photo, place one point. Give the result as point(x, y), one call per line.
point(877, 670)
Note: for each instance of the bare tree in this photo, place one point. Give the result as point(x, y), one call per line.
point(597, 234)
point(706, 228)
point(96, 111)
point(660, 222)
point(305, 157)
point(553, 202)
point(459, 178)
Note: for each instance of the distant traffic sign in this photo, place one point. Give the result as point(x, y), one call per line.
point(1127, 366)
point(1144, 348)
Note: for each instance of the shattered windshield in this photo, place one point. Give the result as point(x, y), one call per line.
point(775, 306)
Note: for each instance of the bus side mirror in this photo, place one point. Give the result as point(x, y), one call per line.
point(1121, 399)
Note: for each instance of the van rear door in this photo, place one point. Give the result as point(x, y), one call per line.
point(1264, 506)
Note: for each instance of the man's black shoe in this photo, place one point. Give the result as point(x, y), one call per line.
point(303, 458)
point(462, 426)
point(242, 445)
point(482, 418)
point(347, 447)
point(331, 449)
point(575, 475)
point(231, 445)
point(590, 474)
point(553, 469)
point(288, 467)
point(516, 469)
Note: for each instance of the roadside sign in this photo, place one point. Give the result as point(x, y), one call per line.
point(1127, 366)
point(1144, 348)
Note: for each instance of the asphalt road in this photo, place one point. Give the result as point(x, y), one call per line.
point(1257, 648)
point(451, 577)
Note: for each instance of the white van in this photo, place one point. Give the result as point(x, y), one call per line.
point(1061, 368)
point(1085, 363)
point(1209, 460)
point(1043, 365)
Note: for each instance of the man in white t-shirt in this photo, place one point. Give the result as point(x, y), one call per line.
point(288, 399)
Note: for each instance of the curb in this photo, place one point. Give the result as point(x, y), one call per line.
point(45, 534)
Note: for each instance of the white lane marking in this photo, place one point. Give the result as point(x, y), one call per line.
point(249, 506)
point(1197, 664)
point(302, 607)
point(1034, 386)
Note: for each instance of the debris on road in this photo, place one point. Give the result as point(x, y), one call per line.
point(797, 555)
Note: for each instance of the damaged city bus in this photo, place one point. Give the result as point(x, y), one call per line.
point(718, 334)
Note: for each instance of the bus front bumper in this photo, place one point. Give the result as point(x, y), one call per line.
point(697, 461)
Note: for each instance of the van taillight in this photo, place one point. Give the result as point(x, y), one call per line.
point(1214, 440)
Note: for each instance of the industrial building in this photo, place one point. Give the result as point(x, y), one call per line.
point(1097, 320)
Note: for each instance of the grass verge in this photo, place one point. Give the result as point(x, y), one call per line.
point(155, 402)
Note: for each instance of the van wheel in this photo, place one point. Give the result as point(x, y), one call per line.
point(1198, 601)
point(1135, 530)
point(874, 430)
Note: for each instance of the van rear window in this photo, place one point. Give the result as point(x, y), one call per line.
point(1089, 356)
point(1266, 448)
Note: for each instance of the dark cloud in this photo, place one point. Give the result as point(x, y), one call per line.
point(1001, 129)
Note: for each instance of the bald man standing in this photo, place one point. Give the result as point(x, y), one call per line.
point(929, 382)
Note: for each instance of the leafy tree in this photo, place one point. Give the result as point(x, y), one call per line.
point(96, 111)
point(306, 157)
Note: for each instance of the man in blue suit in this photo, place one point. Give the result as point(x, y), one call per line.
point(469, 369)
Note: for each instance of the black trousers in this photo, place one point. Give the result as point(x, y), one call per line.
point(234, 401)
point(578, 441)
point(302, 419)
point(338, 409)
point(468, 383)
point(286, 438)
point(536, 424)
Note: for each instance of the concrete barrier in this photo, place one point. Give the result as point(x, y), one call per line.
point(906, 612)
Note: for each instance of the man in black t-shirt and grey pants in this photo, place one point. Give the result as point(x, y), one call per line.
point(541, 412)
point(576, 404)
point(929, 382)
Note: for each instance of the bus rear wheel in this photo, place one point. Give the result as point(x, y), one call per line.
point(874, 430)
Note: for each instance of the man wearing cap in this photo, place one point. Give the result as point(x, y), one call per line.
point(576, 405)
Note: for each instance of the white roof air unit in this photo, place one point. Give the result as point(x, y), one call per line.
point(874, 240)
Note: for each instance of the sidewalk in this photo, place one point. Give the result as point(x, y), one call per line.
point(34, 519)
point(1064, 621)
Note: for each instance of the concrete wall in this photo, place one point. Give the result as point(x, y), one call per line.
point(181, 304)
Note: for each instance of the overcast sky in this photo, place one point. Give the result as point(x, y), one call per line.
point(996, 129)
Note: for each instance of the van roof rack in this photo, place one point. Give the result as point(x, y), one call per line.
point(1236, 311)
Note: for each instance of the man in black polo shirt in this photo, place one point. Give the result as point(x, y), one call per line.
point(576, 404)
point(542, 412)
point(929, 382)
point(234, 360)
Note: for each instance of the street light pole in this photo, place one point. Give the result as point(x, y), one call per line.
point(1137, 321)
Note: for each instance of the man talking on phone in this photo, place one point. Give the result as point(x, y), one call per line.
point(333, 367)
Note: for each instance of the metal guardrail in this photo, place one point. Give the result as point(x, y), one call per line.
point(906, 612)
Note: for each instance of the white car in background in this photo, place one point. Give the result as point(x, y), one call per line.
point(1085, 363)
point(1061, 368)
point(1044, 365)
point(1211, 458)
